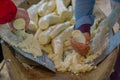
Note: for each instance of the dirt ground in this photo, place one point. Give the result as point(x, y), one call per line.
point(103, 4)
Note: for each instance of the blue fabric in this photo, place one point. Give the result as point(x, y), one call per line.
point(116, 0)
point(84, 12)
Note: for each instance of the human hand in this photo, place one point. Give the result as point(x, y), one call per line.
point(81, 48)
point(21, 13)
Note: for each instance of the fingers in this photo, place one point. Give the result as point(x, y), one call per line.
point(88, 38)
point(22, 13)
point(75, 47)
point(11, 25)
point(80, 48)
point(27, 19)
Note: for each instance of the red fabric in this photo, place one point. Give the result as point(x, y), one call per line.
point(7, 11)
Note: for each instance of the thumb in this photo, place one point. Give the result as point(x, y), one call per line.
point(88, 38)
point(11, 25)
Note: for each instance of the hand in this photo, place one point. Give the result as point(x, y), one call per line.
point(21, 13)
point(81, 48)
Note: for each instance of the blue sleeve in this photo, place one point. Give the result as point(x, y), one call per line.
point(84, 12)
point(116, 0)
point(115, 3)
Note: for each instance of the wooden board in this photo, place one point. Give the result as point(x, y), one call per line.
point(18, 72)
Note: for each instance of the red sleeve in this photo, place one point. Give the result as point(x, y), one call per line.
point(7, 11)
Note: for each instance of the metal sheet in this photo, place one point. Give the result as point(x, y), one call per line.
point(42, 60)
point(114, 40)
point(6, 34)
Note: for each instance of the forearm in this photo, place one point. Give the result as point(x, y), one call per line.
point(114, 4)
point(116, 1)
point(8, 11)
point(84, 13)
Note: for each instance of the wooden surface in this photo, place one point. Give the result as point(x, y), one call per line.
point(18, 72)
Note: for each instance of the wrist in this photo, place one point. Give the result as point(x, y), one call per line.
point(85, 28)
